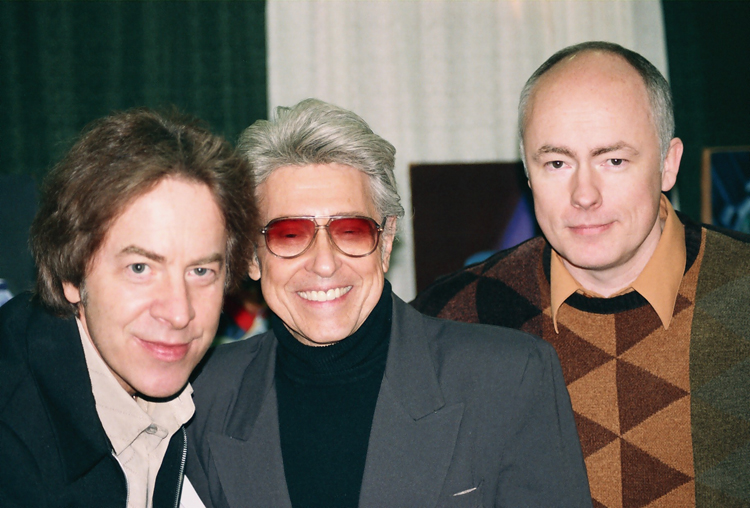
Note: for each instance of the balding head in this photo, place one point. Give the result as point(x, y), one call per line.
point(596, 168)
point(655, 86)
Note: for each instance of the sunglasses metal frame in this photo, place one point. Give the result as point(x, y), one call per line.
point(312, 218)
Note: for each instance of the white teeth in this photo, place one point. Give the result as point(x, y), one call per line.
point(324, 296)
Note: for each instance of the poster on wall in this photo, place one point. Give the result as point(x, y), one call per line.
point(725, 193)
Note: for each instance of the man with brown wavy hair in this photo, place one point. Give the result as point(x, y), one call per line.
point(142, 228)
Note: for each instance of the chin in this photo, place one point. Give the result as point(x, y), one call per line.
point(588, 257)
point(325, 341)
point(161, 390)
point(326, 337)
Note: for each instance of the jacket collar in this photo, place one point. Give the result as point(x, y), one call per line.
point(411, 421)
point(58, 364)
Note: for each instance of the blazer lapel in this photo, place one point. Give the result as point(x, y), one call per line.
point(59, 365)
point(413, 431)
point(248, 454)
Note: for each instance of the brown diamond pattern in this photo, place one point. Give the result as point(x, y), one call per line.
point(644, 478)
point(577, 356)
point(641, 394)
point(681, 304)
point(594, 437)
point(629, 381)
point(657, 352)
point(648, 394)
point(633, 326)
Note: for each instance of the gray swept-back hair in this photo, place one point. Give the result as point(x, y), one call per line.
point(657, 88)
point(315, 132)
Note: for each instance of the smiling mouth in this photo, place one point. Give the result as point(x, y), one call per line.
point(324, 296)
point(165, 352)
point(590, 229)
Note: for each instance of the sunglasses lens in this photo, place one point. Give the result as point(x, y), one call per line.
point(354, 236)
point(289, 237)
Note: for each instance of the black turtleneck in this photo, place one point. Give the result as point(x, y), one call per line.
point(326, 398)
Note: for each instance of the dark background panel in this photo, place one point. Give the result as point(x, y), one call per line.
point(18, 203)
point(708, 48)
point(461, 210)
point(65, 63)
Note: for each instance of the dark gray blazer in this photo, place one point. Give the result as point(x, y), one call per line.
point(467, 416)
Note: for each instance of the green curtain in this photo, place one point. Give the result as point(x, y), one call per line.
point(63, 64)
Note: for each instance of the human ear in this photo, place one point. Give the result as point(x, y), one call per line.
point(72, 293)
point(671, 164)
point(254, 268)
point(389, 234)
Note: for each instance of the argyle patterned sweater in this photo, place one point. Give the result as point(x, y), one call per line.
point(663, 415)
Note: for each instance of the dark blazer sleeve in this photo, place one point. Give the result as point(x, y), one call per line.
point(20, 479)
point(542, 465)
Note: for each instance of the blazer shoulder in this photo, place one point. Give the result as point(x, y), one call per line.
point(484, 339)
point(492, 366)
point(15, 319)
point(226, 364)
point(478, 346)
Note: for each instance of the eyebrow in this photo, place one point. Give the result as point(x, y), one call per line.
point(134, 249)
point(213, 258)
point(564, 150)
point(620, 145)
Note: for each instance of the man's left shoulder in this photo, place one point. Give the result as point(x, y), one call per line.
point(484, 339)
point(726, 250)
point(719, 234)
point(491, 364)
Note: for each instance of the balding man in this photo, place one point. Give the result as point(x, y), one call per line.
point(647, 310)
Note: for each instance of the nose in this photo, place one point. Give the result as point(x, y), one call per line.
point(174, 306)
point(323, 260)
point(585, 193)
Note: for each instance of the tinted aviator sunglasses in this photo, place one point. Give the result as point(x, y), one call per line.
point(289, 237)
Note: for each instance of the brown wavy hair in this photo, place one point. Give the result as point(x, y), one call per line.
point(116, 160)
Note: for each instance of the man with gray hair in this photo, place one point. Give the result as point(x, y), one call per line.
point(354, 398)
point(647, 310)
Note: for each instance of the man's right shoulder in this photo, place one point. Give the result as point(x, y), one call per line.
point(15, 317)
point(21, 319)
point(16, 313)
point(457, 295)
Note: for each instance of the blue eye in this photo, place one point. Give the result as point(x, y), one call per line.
point(138, 267)
point(201, 271)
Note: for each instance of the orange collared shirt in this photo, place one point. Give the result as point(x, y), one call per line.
point(659, 281)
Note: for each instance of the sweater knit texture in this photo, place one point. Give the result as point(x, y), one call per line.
point(663, 415)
